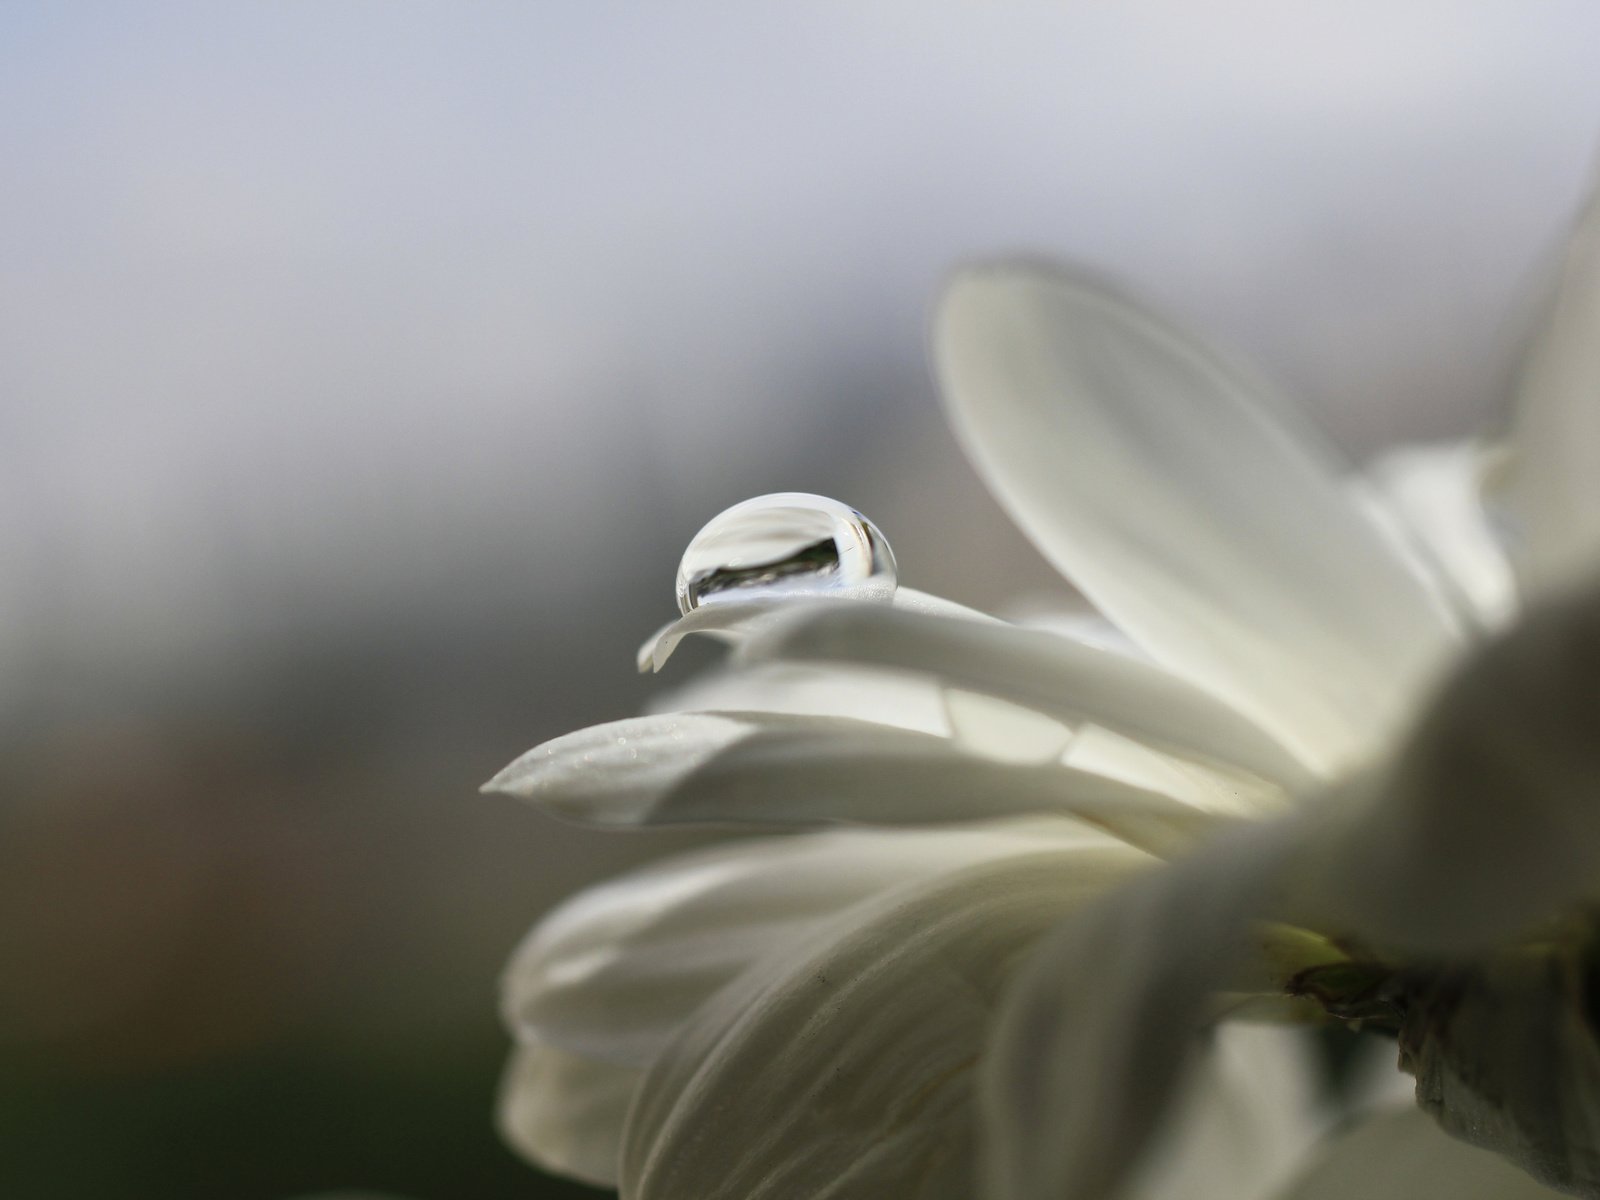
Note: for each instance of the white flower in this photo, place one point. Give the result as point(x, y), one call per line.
point(996, 969)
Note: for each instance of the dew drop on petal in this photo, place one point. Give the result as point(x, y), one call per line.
point(786, 544)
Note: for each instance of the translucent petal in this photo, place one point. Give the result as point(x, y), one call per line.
point(1095, 1035)
point(997, 728)
point(1485, 828)
point(1211, 787)
point(1550, 490)
point(734, 620)
point(613, 973)
point(1434, 492)
point(1090, 628)
point(1242, 1124)
point(896, 698)
point(846, 1074)
point(564, 1112)
point(1170, 487)
point(1066, 680)
point(1487, 823)
point(774, 768)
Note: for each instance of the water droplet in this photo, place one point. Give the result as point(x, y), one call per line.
point(786, 544)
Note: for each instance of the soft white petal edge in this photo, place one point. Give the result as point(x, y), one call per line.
point(1092, 1042)
point(733, 620)
point(1484, 827)
point(1435, 494)
point(1551, 488)
point(1486, 823)
point(1243, 1124)
point(905, 699)
point(776, 768)
point(885, 697)
point(1178, 494)
point(843, 1071)
point(614, 972)
point(1069, 681)
point(979, 722)
point(564, 1112)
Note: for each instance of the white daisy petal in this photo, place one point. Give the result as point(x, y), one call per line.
point(1170, 487)
point(844, 1072)
point(1487, 823)
point(727, 620)
point(1096, 1032)
point(1211, 787)
point(1550, 491)
point(897, 698)
point(997, 728)
point(1069, 681)
point(1486, 826)
point(734, 620)
point(565, 1112)
point(777, 768)
point(613, 973)
point(1242, 1124)
point(1435, 492)
point(1088, 628)
point(612, 773)
point(1401, 1155)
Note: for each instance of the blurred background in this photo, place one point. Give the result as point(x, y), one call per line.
point(364, 368)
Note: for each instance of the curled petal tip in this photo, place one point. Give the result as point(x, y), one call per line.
point(498, 783)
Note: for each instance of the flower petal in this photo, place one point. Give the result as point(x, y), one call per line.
point(977, 722)
point(1086, 627)
point(1211, 788)
point(1487, 824)
point(1435, 492)
point(564, 1112)
point(1550, 491)
point(734, 620)
point(1169, 487)
point(886, 697)
point(776, 768)
point(1070, 681)
point(1243, 1124)
point(845, 1071)
point(613, 973)
point(1097, 1030)
point(1401, 1155)
point(996, 728)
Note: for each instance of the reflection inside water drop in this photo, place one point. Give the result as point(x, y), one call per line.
point(788, 543)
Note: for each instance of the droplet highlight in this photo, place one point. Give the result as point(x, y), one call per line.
point(786, 544)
